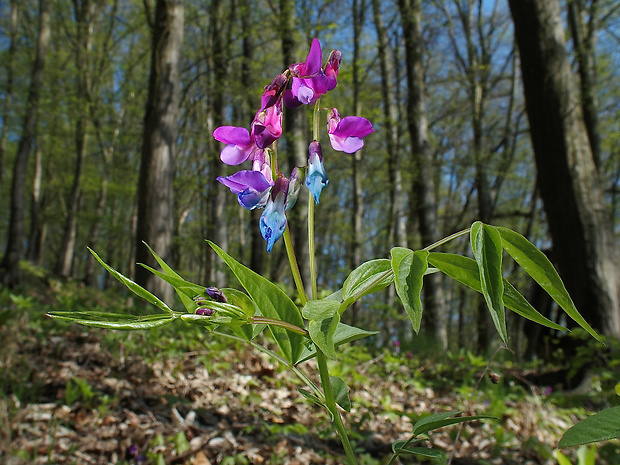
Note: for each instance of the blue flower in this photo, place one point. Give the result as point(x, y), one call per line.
point(251, 187)
point(273, 220)
point(317, 179)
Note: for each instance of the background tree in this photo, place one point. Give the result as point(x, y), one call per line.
point(585, 247)
point(155, 189)
point(10, 263)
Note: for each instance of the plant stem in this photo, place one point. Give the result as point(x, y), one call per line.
point(446, 239)
point(262, 320)
point(296, 370)
point(330, 402)
point(292, 259)
point(311, 257)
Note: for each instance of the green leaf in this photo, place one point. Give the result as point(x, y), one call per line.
point(343, 334)
point(439, 420)
point(398, 448)
point(369, 277)
point(487, 246)
point(312, 398)
point(340, 391)
point(537, 265)
point(323, 319)
point(186, 299)
point(132, 286)
point(601, 426)
point(617, 389)
point(272, 303)
point(116, 320)
point(465, 270)
point(409, 268)
point(241, 300)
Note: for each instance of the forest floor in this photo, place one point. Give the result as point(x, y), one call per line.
point(75, 395)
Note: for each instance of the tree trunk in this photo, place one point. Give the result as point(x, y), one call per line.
point(395, 236)
point(584, 243)
point(296, 143)
point(10, 78)
point(424, 185)
point(155, 190)
point(584, 43)
point(13, 253)
point(36, 230)
point(218, 225)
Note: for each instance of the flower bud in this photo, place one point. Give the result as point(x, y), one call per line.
point(317, 179)
point(216, 294)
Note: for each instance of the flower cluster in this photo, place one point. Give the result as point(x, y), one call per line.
point(264, 186)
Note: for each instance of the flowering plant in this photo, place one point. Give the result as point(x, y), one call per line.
point(314, 332)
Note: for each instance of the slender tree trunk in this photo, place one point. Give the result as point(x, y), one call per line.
point(585, 247)
point(10, 77)
point(295, 126)
point(218, 227)
point(83, 17)
point(584, 43)
point(155, 190)
point(391, 117)
point(10, 263)
point(424, 182)
point(34, 239)
point(257, 244)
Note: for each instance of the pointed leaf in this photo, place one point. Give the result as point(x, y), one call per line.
point(272, 303)
point(312, 398)
point(487, 246)
point(537, 265)
point(248, 307)
point(116, 320)
point(343, 334)
point(323, 319)
point(340, 391)
point(409, 268)
point(465, 270)
point(369, 277)
point(439, 420)
point(601, 426)
point(132, 286)
point(398, 448)
point(186, 300)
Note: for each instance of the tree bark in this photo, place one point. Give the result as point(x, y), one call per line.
point(155, 190)
point(584, 243)
point(10, 263)
point(424, 182)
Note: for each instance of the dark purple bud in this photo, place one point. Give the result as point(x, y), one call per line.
point(332, 68)
point(204, 311)
point(216, 294)
point(273, 91)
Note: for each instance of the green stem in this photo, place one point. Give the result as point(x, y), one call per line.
point(446, 239)
point(312, 258)
point(292, 259)
point(296, 370)
point(261, 320)
point(330, 402)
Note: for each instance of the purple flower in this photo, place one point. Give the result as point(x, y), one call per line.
point(273, 220)
point(267, 125)
point(332, 67)
point(346, 134)
point(273, 92)
point(239, 145)
point(317, 179)
point(251, 187)
point(309, 80)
